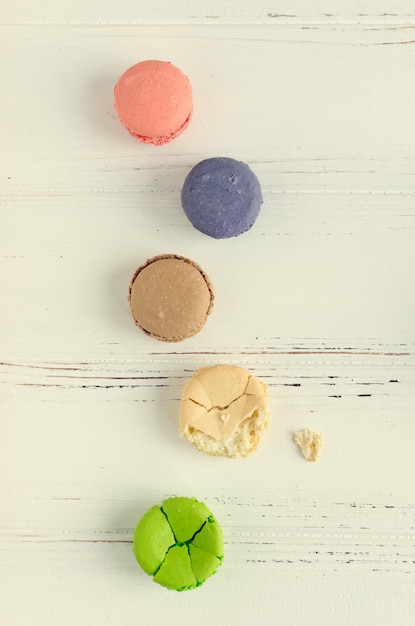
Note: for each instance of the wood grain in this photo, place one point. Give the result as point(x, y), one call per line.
point(210, 12)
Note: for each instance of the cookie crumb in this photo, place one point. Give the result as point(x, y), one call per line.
point(310, 443)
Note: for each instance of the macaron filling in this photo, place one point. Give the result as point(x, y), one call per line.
point(162, 140)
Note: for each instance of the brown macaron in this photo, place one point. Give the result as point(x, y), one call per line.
point(170, 297)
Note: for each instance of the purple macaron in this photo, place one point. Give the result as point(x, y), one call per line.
point(221, 197)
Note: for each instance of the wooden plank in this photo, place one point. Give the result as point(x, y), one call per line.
point(342, 258)
point(322, 125)
point(210, 12)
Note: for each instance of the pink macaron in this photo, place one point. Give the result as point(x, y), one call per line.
point(154, 102)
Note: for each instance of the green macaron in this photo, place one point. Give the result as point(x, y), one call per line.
point(179, 543)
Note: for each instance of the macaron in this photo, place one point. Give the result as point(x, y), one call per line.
point(179, 543)
point(221, 197)
point(170, 297)
point(224, 411)
point(154, 101)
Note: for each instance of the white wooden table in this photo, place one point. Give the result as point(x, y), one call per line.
point(318, 300)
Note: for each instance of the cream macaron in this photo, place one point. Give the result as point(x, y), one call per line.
point(224, 410)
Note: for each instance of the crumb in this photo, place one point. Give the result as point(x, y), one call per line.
point(309, 443)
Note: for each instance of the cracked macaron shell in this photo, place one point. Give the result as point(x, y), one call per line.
point(179, 543)
point(217, 399)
